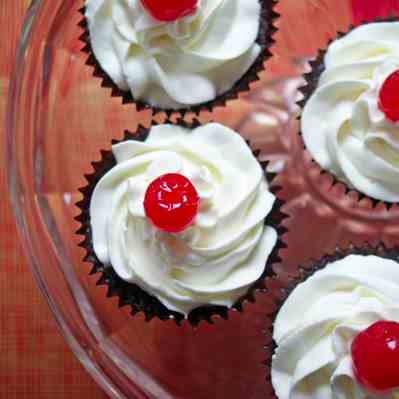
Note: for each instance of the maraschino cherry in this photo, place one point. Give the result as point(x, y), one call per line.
point(375, 355)
point(389, 97)
point(171, 203)
point(170, 10)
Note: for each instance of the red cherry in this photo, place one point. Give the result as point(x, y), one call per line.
point(389, 97)
point(375, 356)
point(170, 10)
point(171, 202)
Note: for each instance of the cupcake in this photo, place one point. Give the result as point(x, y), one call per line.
point(349, 122)
point(337, 333)
point(180, 221)
point(178, 55)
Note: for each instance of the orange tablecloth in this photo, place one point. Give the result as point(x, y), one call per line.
point(35, 362)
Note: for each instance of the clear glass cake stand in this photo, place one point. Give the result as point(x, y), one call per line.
point(59, 118)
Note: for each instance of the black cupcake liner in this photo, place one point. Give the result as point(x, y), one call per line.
point(280, 286)
point(264, 39)
point(131, 294)
point(311, 80)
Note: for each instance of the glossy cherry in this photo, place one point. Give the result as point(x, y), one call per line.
point(171, 202)
point(375, 356)
point(389, 97)
point(170, 10)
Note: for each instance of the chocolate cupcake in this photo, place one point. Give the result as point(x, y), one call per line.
point(180, 221)
point(178, 55)
point(349, 121)
point(336, 326)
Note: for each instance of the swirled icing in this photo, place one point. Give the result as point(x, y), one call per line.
point(342, 124)
point(175, 64)
point(226, 249)
point(316, 325)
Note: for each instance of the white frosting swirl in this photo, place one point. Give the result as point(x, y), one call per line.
point(217, 258)
point(175, 64)
point(342, 125)
point(317, 323)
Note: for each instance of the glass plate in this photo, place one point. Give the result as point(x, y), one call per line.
point(59, 118)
